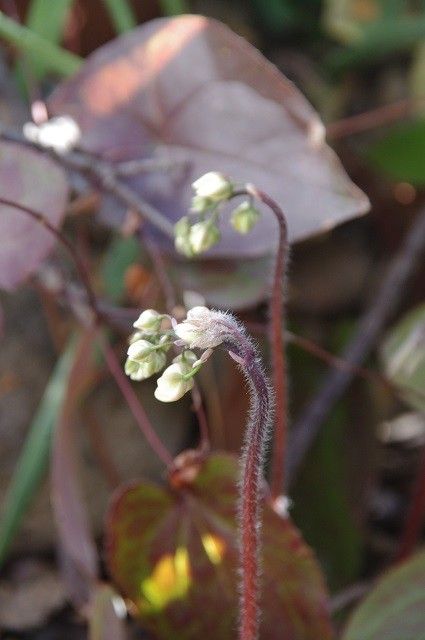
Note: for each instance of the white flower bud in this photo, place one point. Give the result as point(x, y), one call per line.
point(140, 350)
point(61, 134)
point(143, 369)
point(149, 321)
point(244, 217)
point(213, 185)
point(172, 385)
point(131, 368)
point(200, 329)
point(137, 335)
point(200, 204)
point(203, 235)
point(181, 237)
point(186, 357)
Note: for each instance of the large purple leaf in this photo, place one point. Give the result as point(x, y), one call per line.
point(192, 91)
point(29, 178)
point(173, 553)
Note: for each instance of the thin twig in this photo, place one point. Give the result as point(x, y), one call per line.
point(134, 405)
point(161, 273)
point(79, 264)
point(370, 326)
point(204, 443)
point(372, 119)
point(143, 165)
point(102, 173)
point(111, 360)
point(309, 346)
point(314, 349)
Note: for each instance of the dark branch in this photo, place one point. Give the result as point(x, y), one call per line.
point(370, 326)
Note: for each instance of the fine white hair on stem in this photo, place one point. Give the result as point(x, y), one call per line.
point(257, 435)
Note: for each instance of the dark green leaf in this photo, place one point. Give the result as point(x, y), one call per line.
point(45, 52)
point(395, 609)
point(33, 459)
point(121, 14)
point(122, 253)
point(46, 19)
point(401, 154)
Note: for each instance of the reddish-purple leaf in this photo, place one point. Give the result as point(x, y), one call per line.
point(173, 553)
point(75, 538)
point(29, 178)
point(191, 91)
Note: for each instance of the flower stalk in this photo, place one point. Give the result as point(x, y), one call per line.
point(277, 330)
point(212, 191)
point(206, 329)
point(256, 436)
point(252, 460)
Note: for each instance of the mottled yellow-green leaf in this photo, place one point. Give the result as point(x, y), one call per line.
point(174, 554)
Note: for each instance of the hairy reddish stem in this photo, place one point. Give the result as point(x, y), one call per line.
point(277, 346)
point(379, 117)
point(252, 460)
point(250, 510)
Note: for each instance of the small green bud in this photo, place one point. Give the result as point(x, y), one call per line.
point(200, 204)
point(143, 369)
point(244, 217)
point(181, 237)
point(203, 235)
point(140, 350)
point(186, 357)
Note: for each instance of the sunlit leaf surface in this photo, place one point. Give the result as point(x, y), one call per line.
point(173, 553)
point(190, 91)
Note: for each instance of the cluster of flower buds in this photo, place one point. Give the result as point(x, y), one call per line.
point(195, 235)
point(147, 352)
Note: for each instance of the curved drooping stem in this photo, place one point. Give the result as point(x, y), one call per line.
point(252, 459)
point(277, 331)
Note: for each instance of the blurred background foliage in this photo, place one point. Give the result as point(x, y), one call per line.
point(349, 57)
